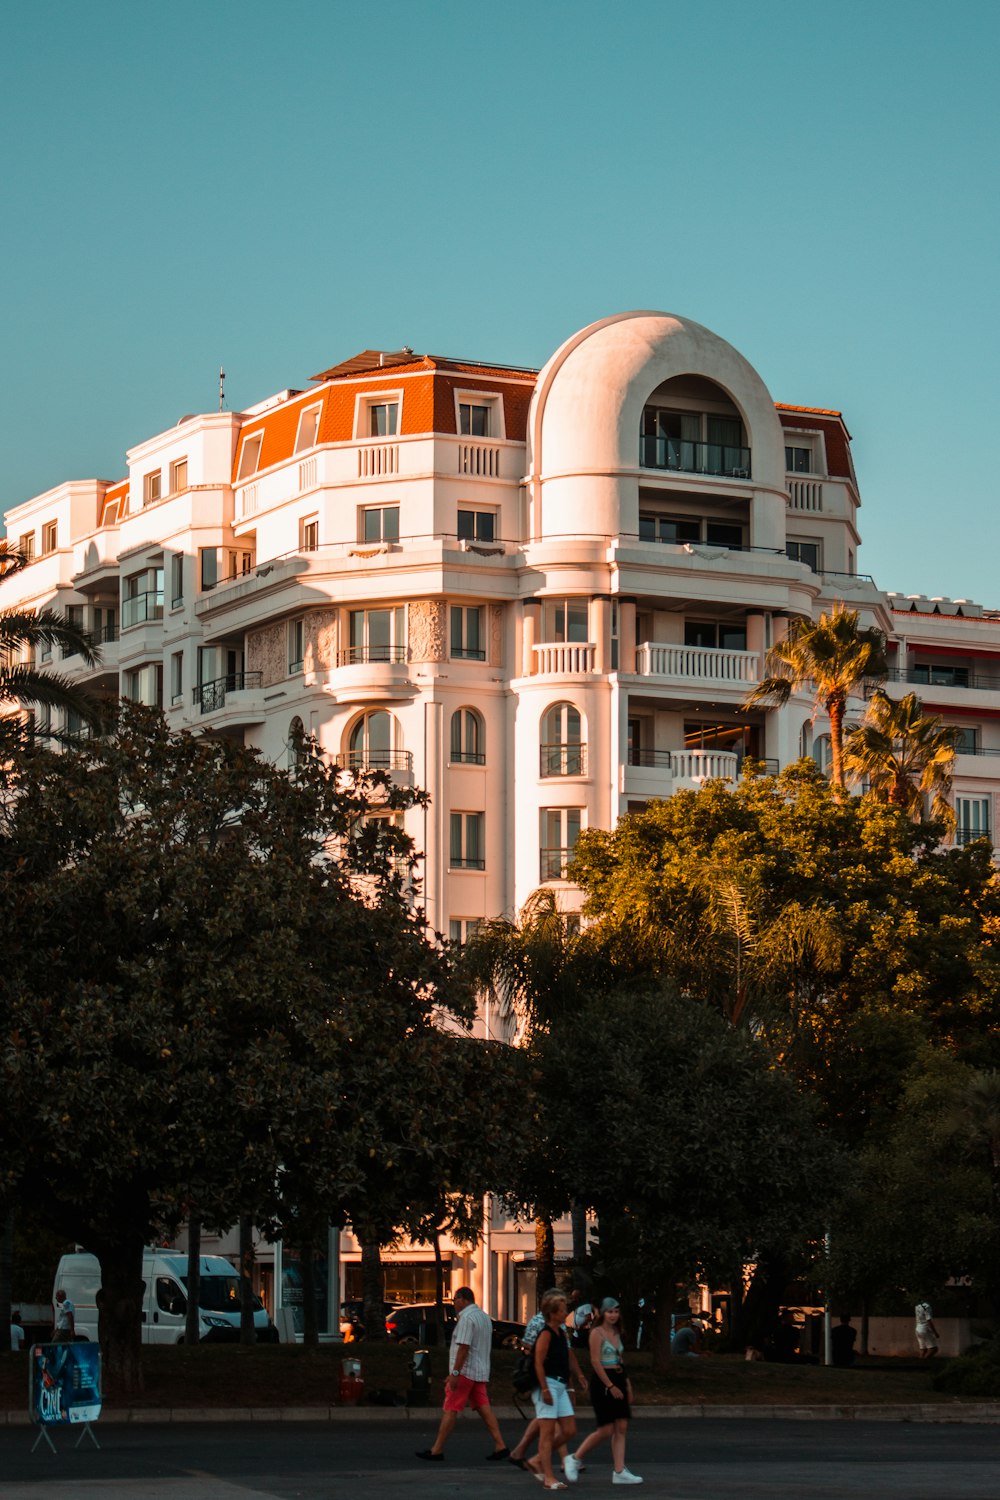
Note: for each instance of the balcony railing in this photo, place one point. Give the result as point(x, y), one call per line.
point(552, 863)
point(138, 609)
point(698, 663)
point(468, 757)
point(565, 658)
point(209, 696)
point(562, 760)
point(706, 765)
point(952, 677)
point(359, 655)
point(660, 760)
point(965, 836)
point(720, 459)
point(106, 636)
point(375, 760)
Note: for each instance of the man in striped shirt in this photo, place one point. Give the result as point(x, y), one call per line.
point(469, 1373)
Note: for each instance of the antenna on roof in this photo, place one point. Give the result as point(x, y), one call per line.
point(222, 387)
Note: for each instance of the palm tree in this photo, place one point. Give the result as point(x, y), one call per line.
point(905, 755)
point(835, 656)
point(22, 631)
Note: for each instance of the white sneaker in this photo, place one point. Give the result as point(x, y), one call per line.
point(571, 1468)
point(625, 1477)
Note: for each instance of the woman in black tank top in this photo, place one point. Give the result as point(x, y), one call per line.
point(554, 1363)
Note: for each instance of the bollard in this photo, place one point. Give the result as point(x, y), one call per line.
point(420, 1379)
point(352, 1382)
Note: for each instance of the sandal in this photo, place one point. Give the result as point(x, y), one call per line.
point(557, 1486)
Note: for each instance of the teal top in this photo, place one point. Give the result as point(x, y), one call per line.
point(609, 1354)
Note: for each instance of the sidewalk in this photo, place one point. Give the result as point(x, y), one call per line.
point(981, 1412)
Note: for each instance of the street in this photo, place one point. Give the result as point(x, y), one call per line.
point(704, 1459)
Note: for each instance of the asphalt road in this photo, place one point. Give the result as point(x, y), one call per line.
point(680, 1460)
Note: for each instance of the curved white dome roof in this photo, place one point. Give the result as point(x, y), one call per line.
point(587, 408)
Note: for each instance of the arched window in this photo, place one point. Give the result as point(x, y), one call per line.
point(468, 738)
point(563, 752)
point(373, 743)
point(822, 752)
point(296, 743)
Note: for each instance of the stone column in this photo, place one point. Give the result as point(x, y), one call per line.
point(600, 620)
point(626, 635)
point(530, 631)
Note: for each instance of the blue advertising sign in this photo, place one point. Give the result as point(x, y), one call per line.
point(64, 1383)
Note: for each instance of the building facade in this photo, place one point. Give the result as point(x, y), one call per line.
point(541, 596)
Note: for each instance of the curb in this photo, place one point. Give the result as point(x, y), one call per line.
point(982, 1412)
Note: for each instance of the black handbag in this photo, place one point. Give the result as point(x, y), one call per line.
point(524, 1378)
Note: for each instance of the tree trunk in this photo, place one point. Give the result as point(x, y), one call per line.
point(435, 1332)
point(666, 1296)
point(6, 1270)
point(835, 706)
point(373, 1289)
point(307, 1266)
point(864, 1326)
point(192, 1323)
point(545, 1256)
point(578, 1221)
point(119, 1302)
point(248, 1334)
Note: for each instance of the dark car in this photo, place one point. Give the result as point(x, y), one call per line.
point(352, 1316)
point(408, 1324)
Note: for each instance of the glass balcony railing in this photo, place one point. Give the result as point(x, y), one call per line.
point(138, 609)
point(722, 459)
point(375, 760)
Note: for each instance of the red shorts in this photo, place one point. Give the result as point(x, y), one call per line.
point(464, 1392)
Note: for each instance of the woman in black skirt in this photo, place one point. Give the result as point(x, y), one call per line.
point(610, 1391)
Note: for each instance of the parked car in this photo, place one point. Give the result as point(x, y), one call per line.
point(352, 1316)
point(404, 1324)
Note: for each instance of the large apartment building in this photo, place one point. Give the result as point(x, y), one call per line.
point(542, 596)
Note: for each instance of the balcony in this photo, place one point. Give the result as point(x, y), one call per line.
point(945, 677)
point(706, 664)
point(562, 760)
point(209, 697)
point(140, 609)
point(565, 658)
point(686, 457)
point(366, 673)
point(965, 836)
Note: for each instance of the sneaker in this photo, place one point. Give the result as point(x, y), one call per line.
point(571, 1468)
point(625, 1477)
point(429, 1453)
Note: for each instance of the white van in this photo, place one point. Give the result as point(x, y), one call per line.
point(164, 1300)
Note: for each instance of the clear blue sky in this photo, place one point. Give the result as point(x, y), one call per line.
point(273, 187)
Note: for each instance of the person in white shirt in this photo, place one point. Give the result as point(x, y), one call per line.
point(469, 1373)
point(65, 1329)
point(927, 1335)
point(16, 1333)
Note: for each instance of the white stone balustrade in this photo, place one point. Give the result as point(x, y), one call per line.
point(700, 663)
point(565, 658)
point(703, 765)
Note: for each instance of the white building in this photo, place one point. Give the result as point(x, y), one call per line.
point(540, 596)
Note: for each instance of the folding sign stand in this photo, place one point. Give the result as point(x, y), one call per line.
point(64, 1389)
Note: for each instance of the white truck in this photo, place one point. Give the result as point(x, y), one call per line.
point(164, 1298)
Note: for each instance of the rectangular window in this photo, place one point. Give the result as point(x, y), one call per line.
point(380, 523)
point(383, 419)
point(308, 429)
point(973, 819)
point(223, 565)
point(250, 455)
point(176, 580)
point(967, 742)
point(468, 845)
point(715, 635)
point(26, 546)
point(565, 620)
point(105, 624)
point(476, 525)
point(461, 929)
point(151, 483)
point(309, 539)
point(377, 635)
point(296, 645)
point(721, 534)
point(559, 829)
point(467, 639)
point(804, 552)
point(74, 616)
point(178, 475)
point(50, 537)
point(656, 528)
point(177, 678)
point(109, 515)
point(937, 675)
point(145, 685)
point(798, 460)
point(474, 419)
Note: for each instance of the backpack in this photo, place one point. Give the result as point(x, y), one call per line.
point(524, 1379)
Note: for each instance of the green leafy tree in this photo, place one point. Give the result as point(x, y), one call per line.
point(209, 963)
point(681, 1134)
point(834, 656)
point(906, 755)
